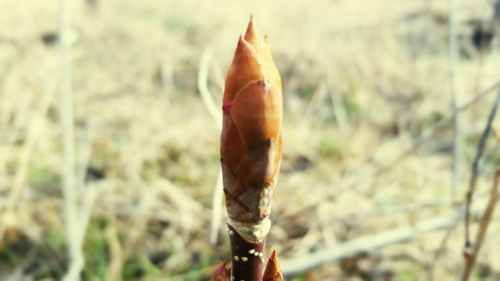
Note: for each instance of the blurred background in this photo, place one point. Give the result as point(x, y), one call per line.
point(366, 185)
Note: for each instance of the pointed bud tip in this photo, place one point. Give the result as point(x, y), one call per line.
point(251, 34)
point(274, 259)
point(273, 269)
point(274, 255)
point(243, 46)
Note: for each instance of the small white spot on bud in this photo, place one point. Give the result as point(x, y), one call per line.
point(261, 254)
point(236, 258)
point(245, 259)
point(251, 251)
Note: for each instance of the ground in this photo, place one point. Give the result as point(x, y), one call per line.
point(362, 81)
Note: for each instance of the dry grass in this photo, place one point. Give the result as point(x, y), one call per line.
point(362, 80)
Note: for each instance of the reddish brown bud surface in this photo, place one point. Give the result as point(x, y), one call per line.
point(251, 135)
point(222, 273)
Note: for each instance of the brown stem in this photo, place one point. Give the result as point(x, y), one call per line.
point(470, 257)
point(246, 256)
point(475, 169)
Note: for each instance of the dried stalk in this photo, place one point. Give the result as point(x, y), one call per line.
point(68, 139)
point(470, 257)
point(475, 169)
point(383, 167)
point(218, 195)
point(373, 242)
point(203, 87)
point(470, 251)
point(453, 61)
point(77, 215)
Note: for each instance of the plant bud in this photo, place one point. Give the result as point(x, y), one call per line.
point(251, 135)
point(273, 269)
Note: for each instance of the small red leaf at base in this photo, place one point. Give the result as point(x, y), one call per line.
point(222, 273)
point(273, 269)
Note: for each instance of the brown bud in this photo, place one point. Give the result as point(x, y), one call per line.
point(273, 269)
point(251, 134)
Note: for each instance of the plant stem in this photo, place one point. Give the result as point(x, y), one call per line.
point(453, 60)
point(246, 256)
